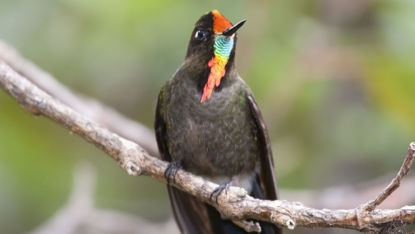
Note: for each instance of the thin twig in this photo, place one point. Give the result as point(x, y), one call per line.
point(394, 184)
point(235, 204)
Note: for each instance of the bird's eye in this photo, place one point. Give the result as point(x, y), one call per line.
point(201, 34)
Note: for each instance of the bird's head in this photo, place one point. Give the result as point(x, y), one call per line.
point(212, 46)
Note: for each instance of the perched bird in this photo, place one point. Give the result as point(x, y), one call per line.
point(207, 123)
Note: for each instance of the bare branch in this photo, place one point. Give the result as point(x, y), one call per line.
point(88, 107)
point(80, 213)
point(125, 127)
point(80, 203)
point(236, 204)
point(394, 184)
point(333, 197)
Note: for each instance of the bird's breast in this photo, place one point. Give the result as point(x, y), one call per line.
point(214, 138)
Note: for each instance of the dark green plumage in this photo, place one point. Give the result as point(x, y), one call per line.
point(223, 138)
point(208, 135)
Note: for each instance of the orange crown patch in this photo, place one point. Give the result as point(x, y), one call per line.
point(220, 23)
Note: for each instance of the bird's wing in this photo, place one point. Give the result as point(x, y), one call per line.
point(265, 186)
point(267, 177)
point(192, 215)
point(160, 127)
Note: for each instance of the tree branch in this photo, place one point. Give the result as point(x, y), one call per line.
point(88, 107)
point(333, 197)
point(80, 213)
point(236, 204)
point(139, 133)
point(394, 184)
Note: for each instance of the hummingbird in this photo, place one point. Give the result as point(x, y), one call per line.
point(208, 123)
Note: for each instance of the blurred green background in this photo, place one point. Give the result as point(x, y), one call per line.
point(334, 79)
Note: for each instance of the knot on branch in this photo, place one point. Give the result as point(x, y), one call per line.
point(286, 220)
point(132, 168)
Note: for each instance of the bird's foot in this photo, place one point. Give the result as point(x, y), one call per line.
point(171, 171)
point(219, 190)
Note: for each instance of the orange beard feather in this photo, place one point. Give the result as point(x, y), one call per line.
point(217, 72)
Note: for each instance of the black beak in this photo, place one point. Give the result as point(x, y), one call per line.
point(230, 31)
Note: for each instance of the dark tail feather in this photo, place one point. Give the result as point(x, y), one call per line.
point(191, 214)
point(194, 216)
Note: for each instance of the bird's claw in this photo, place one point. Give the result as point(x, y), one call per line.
point(171, 171)
point(219, 190)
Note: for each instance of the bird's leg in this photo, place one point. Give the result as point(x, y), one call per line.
point(220, 189)
point(171, 170)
